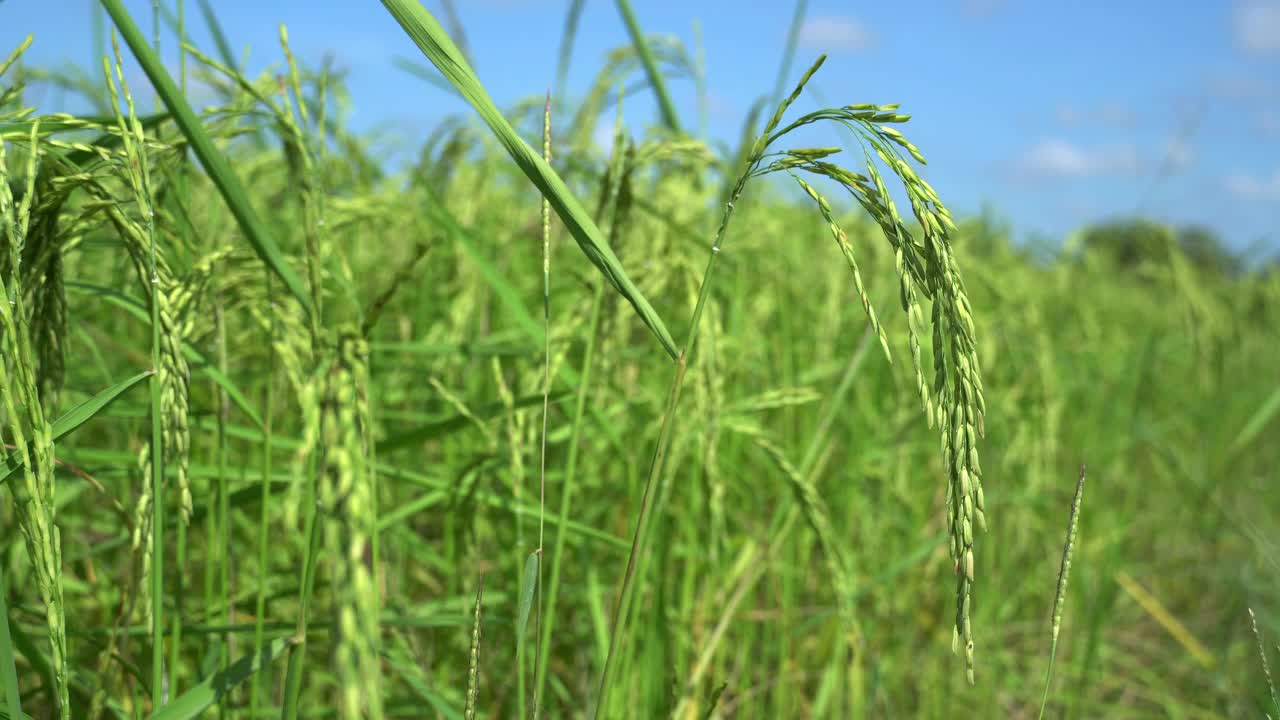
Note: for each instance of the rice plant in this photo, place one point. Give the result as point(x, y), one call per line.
point(285, 432)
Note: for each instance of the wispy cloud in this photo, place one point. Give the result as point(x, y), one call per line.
point(1248, 186)
point(836, 34)
point(1055, 158)
point(1256, 24)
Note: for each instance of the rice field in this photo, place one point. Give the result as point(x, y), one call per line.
point(536, 428)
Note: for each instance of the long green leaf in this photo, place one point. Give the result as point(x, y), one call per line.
point(8, 662)
point(220, 172)
point(665, 106)
point(1269, 408)
point(219, 37)
point(527, 586)
point(78, 416)
point(192, 703)
point(434, 42)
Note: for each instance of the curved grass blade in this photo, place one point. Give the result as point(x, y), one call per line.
point(665, 106)
point(219, 37)
point(220, 172)
point(1269, 408)
point(566, 43)
point(195, 701)
point(78, 416)
point(431, 39)
point(527, 586)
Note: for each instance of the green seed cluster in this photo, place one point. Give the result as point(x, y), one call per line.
point(926, 267)
point(345, 503)
point(29, 429)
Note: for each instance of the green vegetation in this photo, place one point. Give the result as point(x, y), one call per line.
point(365, 479)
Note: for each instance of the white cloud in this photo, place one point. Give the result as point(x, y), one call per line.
point(1257, 26)
point(1254, 188)
point(836, 34)
point(1057, 158)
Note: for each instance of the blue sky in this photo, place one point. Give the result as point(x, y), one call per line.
point(1051, 114)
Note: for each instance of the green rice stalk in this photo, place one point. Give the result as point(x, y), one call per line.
point(345, 501)
point(30, 432)
point(546, 401)
point(607, 207)
point(640, 540)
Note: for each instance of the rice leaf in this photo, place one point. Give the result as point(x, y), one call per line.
point(78, 416)
point(1265, 413)
point(195, 701)
point(432, 40)
point(528, 584)
point(665, 107)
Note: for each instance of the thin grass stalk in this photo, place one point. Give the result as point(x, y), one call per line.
point(140, 179)
point(264, 510)
point(546, 396)
point(298, 651)
point(640, 540)
point(1060, 594)
point(222, 492)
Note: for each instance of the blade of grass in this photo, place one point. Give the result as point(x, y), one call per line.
point(219, 37)
point(435, 44)
point(78, 416)
point(665, 106)
point(219, 170)
point(194, 702)
point(8, 662)
point(1268, 410)
point(566, 44)
point(789, 52)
